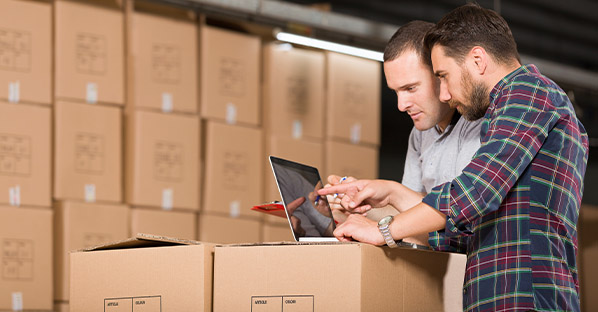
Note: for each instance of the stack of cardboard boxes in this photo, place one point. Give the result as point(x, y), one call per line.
point(230, 105)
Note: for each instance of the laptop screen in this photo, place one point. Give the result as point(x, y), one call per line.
point(309, 214)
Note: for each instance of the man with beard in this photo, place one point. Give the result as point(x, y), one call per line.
point(518, 200)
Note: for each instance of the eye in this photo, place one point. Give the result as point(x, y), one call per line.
point(411, 89)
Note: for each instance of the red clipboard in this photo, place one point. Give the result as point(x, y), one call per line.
point(273, 208)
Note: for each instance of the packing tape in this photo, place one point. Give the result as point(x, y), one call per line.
point(297, 129)
point(234, 208)
point(91, 93)
point(355, 133)
point(167, 104)
point(14, 195)
point(90, 193)
point(14, 92)
point(167, 198)
point(231, 113)
point(17, 301)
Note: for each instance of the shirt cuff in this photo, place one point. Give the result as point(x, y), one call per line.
point(440, 199)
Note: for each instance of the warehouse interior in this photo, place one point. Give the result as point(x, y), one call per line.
point(135, 135)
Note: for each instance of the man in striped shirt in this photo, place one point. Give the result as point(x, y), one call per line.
point(518, 200)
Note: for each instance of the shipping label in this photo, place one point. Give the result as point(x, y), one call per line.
point(17, 259)
point(15, 50)
point(168, 161)
point(133, 304)
point(91, 54)
point(15, 155)
point(232, 77)
point(235, 170)
point(166, 63)
point(89, 153)
point(290, 303)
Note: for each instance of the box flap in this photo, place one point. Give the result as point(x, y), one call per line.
point(288, 244)
point(142, 240)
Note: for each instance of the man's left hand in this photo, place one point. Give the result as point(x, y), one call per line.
point(359, 228)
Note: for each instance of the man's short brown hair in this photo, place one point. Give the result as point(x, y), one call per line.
point(471, 25)
point(409, 37)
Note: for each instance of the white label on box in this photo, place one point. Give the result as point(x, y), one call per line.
point(167, 104)
point(90, 193)
point(356, 133)
point(297, 129)
point(91, 95)
point(17, 301)
point(167, 198)
point(235, 208)
point(231, 113)
point(14, 92)
point(14, 195)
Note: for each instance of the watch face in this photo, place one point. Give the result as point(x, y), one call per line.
point(385, 220)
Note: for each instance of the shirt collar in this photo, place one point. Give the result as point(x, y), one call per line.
point(530, 68)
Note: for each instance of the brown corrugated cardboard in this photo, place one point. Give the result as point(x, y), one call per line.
point(151, 275)
point(233, 169)
point(303, 151)
point(230, 80)
point(293, 92)
point(26, 238)
point(25, 45)
point(346, 159)
point(61, 307)
point(302, 277)
point(162, 160)
point(353, 98)
point(80, 225)
point(277, 232)
point(588, 253)
point(226, 230)
point(88, 152)
point(177, 224)
point(25, 155)
point(89, 51)
point(162, 59)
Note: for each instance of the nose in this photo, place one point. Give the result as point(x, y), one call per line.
point(403, 103)
point(444, 95)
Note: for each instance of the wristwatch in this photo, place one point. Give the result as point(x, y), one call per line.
point(384, 227)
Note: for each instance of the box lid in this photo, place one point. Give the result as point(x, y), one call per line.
point(142, 240)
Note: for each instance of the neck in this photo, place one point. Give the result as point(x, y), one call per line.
point(499, 72)
point(443, 124)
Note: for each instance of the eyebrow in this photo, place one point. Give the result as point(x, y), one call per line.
point(439, 72)
point(408, 85)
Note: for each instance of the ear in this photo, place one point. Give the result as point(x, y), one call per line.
point(478, 59)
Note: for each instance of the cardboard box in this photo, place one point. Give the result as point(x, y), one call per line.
point(226, 230)
point(346, 159)
point(230, 80)
point(178, 277)
point(89, 51)
point(25, 57)
point(26, 259)
point(233, 169)
point(88, 152)
point(25, 155)
point(293, 92)
point(302, 277)
point(162, 60)
point(277, 232)
point(162, 160)
point(353, 98)
point(81, 225)
point(588, 253)
point(61, 307)
point(177, 224)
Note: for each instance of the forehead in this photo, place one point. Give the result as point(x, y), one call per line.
point(408, 64)
point(440, 61)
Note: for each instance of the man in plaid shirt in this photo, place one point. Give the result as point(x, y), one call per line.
point(518, 200)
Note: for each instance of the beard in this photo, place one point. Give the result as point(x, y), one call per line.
point(478, 97)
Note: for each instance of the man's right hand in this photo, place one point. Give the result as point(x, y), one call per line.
point(359, 196)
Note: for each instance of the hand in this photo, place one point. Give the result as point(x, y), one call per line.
point(335, 201)
point(296, 222)
point(359, 228)
point(360, 196)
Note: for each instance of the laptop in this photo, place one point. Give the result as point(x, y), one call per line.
point(308, 214)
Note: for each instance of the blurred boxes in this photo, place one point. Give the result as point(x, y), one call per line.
point(226, 230)
point(162, 160)
point(346, 159)
point(293, 92)
point(81, 225)
point(230, 80)
point(177, 224)
point(233, 169)
point(61, 307)
point(353, 99)
point(143, 274)
point(162, 51)
point(277, 232)
point(301, 277)
point(88, 152)
point(25, 155)
point(588, 253)
point(25, 57)
point(26, 238)
point(89, 51)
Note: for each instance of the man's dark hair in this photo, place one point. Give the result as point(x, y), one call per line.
point(471, 25)
point(409, 37)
